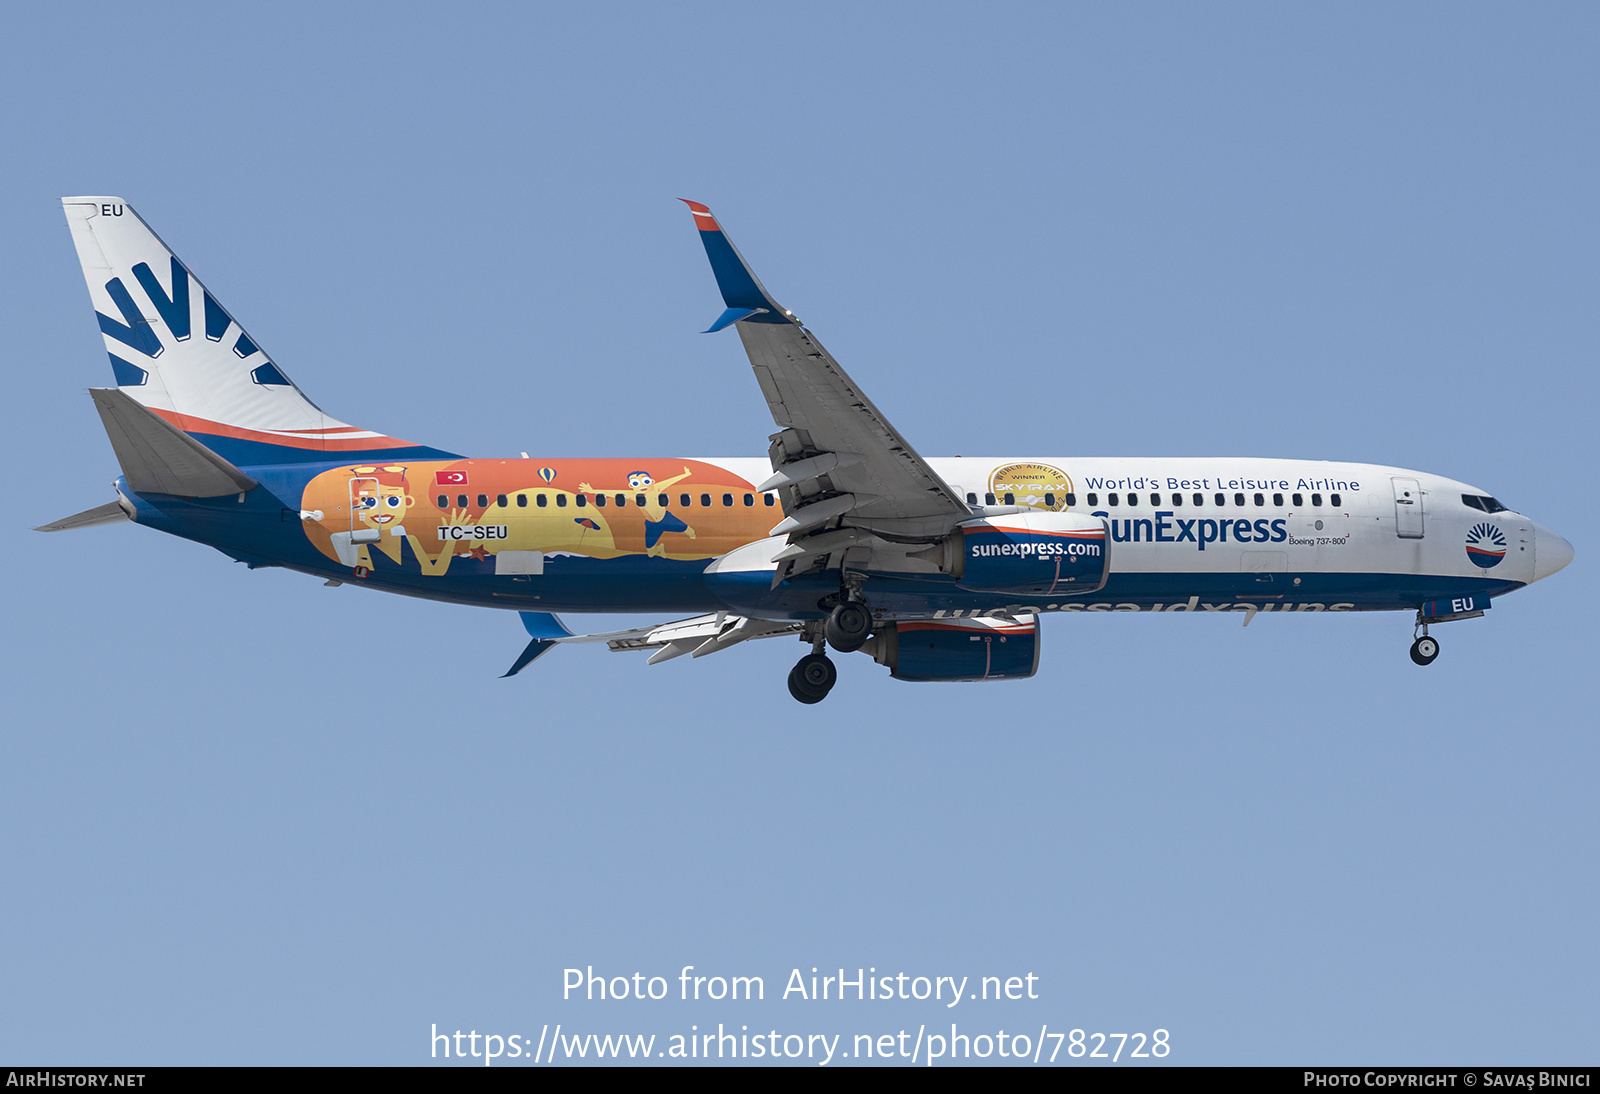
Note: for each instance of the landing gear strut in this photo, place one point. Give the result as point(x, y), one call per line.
point(812, 678)
point(1425, 648)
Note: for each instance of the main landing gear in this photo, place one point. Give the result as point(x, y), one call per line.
point(848, 626)
point(1425, 648)
point(812, 679)
point(846, 629)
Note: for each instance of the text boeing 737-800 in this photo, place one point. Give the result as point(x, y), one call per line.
point(844, 536)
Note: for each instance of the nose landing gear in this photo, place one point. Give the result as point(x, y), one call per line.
point(1425, 648)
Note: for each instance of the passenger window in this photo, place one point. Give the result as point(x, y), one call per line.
point(661, 499)
point(1112, 499)
point(972, 499)
point(483, 501)
point(1199, 499)
point(683, 500)
point(1277, 499)
point(542, 500)
point(1133, 499)
point(1094, 499)
point(500, 500)
point(599, 499)
point(1334, 499)
point(1316, 499)
point(561, 501)
point(1072, 499)
point(580, 500)
point(1238, 499)
point(641, 501)
point(622, 499)
point(1220, 499)
point(1011, 499)
point(1155, 500)
point(770, 499)
point(988, 499)
point(705, 500)
point(749, 499)
point(522, 501)
point(444, 501)
point(461, 501)
point(1298, 500)
point(727, 500)
point(1260, 500)
point(1177, 500)
point(1050, 500)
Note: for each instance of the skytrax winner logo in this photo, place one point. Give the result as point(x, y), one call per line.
point(1036, 484)
point(1486, 545)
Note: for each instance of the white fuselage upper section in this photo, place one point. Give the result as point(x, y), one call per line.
point(1227, 514)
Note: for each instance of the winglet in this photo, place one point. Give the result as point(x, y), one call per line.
point(746, 298)
point(544, 625)
point(545, 630)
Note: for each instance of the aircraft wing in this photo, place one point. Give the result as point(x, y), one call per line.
point(697, 636)
point(838, 463)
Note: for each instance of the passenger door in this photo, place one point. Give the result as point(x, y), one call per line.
point(1407, 509)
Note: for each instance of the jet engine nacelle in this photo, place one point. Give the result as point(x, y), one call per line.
point(958, 649)
point(1045, 554)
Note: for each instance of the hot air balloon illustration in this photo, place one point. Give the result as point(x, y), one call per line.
point(548, 474)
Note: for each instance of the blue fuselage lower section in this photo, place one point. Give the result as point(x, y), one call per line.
point(264, 527)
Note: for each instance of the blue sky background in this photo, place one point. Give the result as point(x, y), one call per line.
point(248, 819)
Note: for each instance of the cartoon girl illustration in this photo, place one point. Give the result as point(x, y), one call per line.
point(658, 519)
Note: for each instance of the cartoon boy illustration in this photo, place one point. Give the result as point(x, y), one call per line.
point(658, 519)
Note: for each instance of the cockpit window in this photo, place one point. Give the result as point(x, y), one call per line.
point(1483, 502)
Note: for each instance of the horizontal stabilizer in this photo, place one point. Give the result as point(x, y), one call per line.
point(159, 458)
point(112, 512)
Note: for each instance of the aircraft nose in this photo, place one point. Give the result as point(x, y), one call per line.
point(1551, 552)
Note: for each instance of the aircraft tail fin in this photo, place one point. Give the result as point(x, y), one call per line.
point(179, 353)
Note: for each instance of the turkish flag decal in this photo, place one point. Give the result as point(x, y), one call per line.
point(450, 478)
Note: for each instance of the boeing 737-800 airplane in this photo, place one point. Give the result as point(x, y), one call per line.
point(843, 536)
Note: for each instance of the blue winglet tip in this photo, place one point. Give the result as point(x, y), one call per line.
point(543, 625)
point(732, 316)
point(531, 653)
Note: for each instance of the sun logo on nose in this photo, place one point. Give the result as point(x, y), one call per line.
point(1486, 545)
